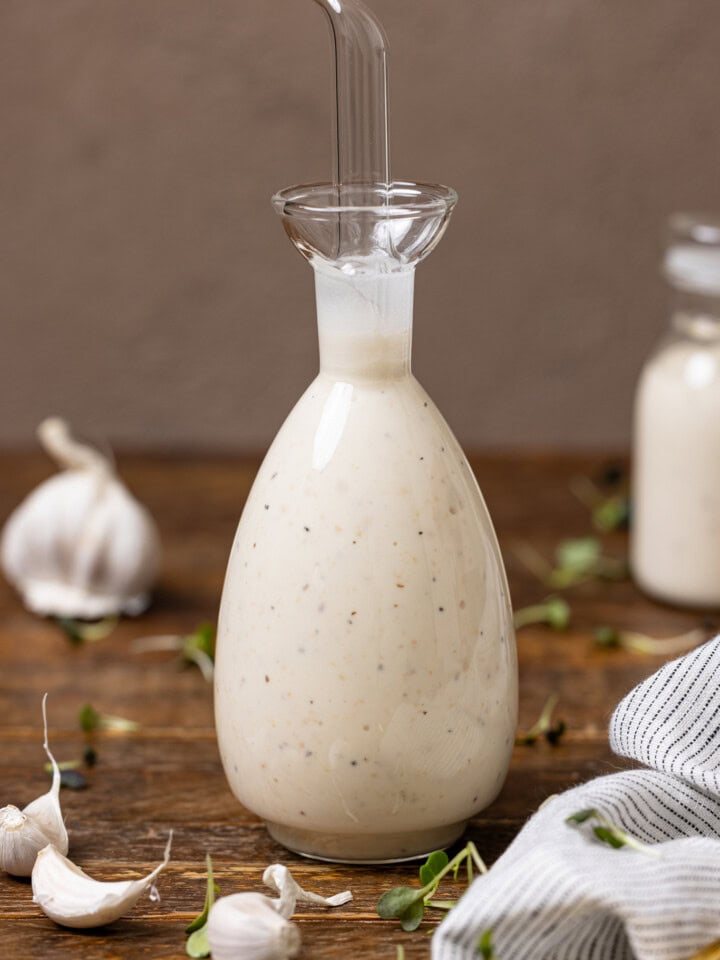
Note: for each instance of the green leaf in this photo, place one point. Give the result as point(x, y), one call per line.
point(578, 556)
point(211, 891)
point(609, 836)
point(79, 632)
point(607, 637)
point(582, 815)
point(197, 944)
point(434, 865)
point(485, 945)
point(612, 513)
point(395, 902)
point(204, 638)
point(412, 918)
point(89, 718)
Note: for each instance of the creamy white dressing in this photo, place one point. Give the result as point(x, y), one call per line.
point(675, 548)
point(366, 681)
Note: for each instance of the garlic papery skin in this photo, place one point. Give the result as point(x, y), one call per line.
point(23, 833)
point(281, 881)
point(248, 926)
point(20, 841)
point(71, 898)
point(80, 545)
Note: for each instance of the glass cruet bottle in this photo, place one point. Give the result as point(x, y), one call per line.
point(675, 542)
point(366, 676)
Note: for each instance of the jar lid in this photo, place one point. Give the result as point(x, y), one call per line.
point(692, 258)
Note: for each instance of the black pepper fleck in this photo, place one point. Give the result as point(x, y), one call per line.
point(381, 666)
point(420, 533)
point(274, 475)
point(267, 679)
point(306, 529)
point(353, 763)
point(441, 609)
point(267, 506)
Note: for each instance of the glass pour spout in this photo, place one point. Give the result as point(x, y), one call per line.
point(361, 151)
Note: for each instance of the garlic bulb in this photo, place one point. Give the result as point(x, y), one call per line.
point(247, 925)
point(80, 545)
point(73, 899)
point(256, 927)
point(23, 833)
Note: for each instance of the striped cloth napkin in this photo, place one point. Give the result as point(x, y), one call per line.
point(559, 893)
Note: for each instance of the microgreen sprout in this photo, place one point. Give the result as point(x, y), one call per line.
point(607, 832)
point(642, 643)
point(197, 943)
point(79, 632)
point(576, 561)
point(196, 648)
point(485, 945)
point(91, 720)
point(407, 904)
point(609, 512)
point(543, 726)
point(553, 611)
point(582, 559)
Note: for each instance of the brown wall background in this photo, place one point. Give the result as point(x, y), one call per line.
point(147, 291)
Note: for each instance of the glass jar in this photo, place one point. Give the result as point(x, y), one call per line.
point(675, 541)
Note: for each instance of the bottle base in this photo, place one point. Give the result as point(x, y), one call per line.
point(668, 593)
point(366, 848)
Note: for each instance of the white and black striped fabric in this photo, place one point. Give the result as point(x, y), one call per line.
point(558, 893)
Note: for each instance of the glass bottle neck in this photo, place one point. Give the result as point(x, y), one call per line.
point(364, 323)
point(696, 315)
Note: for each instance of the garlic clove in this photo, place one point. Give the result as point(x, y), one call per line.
point(23, 833)
point(281, 881)
point(248, 925)
point(45, 810)
point(71, 898)
point(80, 545)
point(21, 839)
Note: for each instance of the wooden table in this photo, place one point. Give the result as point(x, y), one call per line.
point(168, 775)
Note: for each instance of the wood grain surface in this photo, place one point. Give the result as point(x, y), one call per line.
point(168, 776)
